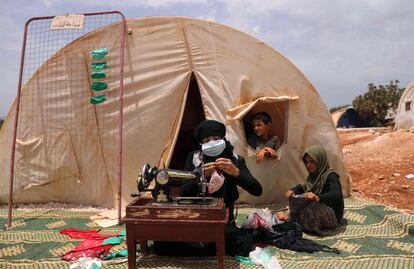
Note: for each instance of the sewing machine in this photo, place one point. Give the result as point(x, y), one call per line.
point(168, 183)
point(168, 217)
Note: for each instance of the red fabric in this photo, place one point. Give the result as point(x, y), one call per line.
point(90, 247)
point(88, 244)
point(83, 234)
point(95, 252)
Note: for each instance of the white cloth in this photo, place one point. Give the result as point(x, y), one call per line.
point(216, 181)
point(86, 263)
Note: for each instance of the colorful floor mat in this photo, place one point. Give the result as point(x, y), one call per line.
point(374, 237)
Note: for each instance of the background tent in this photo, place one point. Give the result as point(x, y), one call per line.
point(178, 71)
point(405, 111)
point(347, 118)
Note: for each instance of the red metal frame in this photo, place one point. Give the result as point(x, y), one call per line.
point(121, 103)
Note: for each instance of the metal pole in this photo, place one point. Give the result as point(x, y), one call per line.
point(121, 112)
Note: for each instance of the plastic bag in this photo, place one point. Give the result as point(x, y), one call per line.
point(263, 257)
point(260, 218)
point(86, 263)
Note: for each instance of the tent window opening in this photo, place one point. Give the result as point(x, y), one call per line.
point(408, 106)
point(278, 113)
point(193, 115)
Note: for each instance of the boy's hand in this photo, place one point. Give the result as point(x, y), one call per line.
point(272, 153)
point(260, 155)
point(265, 153)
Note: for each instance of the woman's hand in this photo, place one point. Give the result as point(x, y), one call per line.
point(289, 193)
point(311, 196)
point(209, 168)
point(227, 166)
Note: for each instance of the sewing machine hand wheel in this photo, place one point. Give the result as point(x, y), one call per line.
point(146, 176)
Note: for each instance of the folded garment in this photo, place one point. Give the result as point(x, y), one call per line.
point(98, 99)
point(113, 240)
point(99, 53)
point(98, 74)
point(99, 86)
point(100, 65)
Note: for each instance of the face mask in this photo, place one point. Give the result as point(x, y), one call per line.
point(213, 148)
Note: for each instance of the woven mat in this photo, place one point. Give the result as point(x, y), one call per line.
point(374, 237)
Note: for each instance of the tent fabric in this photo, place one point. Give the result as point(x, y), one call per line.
point(239, 112)
point(405, 110)
point(232, 69)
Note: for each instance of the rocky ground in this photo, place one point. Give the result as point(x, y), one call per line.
point(379, 162)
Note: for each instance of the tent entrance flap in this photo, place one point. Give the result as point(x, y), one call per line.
point(193, 115)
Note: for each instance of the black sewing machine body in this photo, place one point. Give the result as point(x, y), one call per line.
point(167, 185)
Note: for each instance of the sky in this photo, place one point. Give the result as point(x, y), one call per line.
point(340, 45)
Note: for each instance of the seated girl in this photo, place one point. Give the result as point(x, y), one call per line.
point(318, 204)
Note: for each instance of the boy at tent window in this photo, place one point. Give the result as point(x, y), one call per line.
point(225, 171)
point(261, 140)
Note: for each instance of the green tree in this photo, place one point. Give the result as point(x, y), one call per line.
point(372, 107)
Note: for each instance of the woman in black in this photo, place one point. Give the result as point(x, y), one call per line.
point(210, 134)
point(225, 171)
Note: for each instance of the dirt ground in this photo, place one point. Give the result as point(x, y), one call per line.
point(378, 162)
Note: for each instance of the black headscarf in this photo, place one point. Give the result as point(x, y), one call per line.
point(209, 128)
point(213, 128)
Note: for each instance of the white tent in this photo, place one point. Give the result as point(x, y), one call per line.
point(405, 111)
point(178, 71)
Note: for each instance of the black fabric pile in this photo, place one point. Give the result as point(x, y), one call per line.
point(288, 235)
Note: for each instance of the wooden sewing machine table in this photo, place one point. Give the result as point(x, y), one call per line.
point(146, 220)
